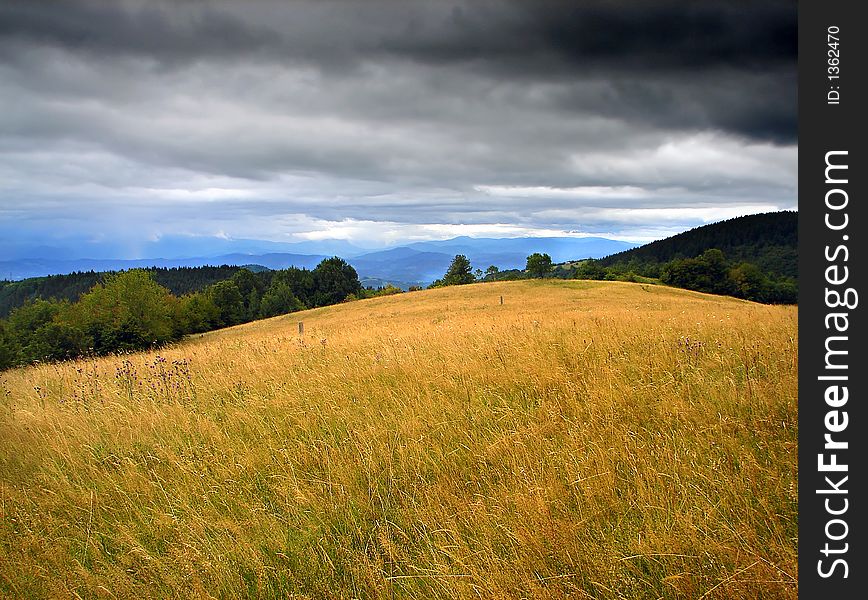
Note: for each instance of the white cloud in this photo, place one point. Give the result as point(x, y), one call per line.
point(706, 160)
point(590, 192)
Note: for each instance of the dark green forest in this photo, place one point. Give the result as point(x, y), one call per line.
point(178, 280)
point(769, 241)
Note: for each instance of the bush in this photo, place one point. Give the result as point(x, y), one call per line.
point(127, 312)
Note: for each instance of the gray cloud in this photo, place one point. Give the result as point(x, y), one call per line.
point(733, 43)
point(203, 116)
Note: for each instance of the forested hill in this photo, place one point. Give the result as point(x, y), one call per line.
point(768, 240)
point(178, 280)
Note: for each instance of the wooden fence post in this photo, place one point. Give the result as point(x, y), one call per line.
point(301, 328)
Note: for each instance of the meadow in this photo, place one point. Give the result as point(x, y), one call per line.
point(580, 440)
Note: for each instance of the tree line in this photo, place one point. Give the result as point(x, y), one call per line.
point(709, 272)
point(130, 310)
point(769, 241)
point(71, 286)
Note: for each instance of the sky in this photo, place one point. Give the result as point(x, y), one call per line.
point(382, 121)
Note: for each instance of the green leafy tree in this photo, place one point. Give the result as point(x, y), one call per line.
point(538, 265)
point(389, 290)
point(334, 280)
point(35, 333)
point(750, 283)
point(300, 282)
point(229, 302)
point(25, 320)
point(279, 300)
point(56, 341)
point(590, 269)
point(128, 311)
point(708, 273)
point(491, 272)
point(9, 351)
point(459, 273)
point(784, 291)
point(196, 313)
point(251, 287)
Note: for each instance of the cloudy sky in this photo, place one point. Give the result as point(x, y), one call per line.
point(377, 121)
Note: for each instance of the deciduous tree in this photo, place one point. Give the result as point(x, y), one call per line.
point(538, 265)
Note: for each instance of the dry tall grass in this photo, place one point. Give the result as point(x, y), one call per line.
point(584, 440)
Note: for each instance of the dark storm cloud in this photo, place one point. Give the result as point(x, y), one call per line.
point(537, 40)
point(669, 34)
point(110, 28)
point(538, 113)
point(661, 33)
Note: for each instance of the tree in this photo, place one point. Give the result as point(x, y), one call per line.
point(491, 272)
point(196, 313)
point(128, 311)
point(459, 273)
point(300, 282)
point(27, 319)
point(251, 288)
point(55, 341)
point(538, 265)
point(333, 281)
point(750, 283)
point(590, 269)
point(8, 347)
point(229, 302)
point(707, 272)
point(386, 290)
point(279, 300)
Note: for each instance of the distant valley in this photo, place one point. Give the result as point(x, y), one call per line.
point(416, 263)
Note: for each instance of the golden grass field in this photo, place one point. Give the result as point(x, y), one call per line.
point(582, 440)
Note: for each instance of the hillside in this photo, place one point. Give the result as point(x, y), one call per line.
point(579, 439)
point(769, 240)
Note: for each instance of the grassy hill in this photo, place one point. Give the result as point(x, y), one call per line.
point(581, 439)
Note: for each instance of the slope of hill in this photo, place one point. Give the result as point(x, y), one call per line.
point(579, 439)
point(769, 240)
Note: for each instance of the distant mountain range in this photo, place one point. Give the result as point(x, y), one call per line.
point(40, 267)
point(413, 263)
point(16, 246)
point(426, 261)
